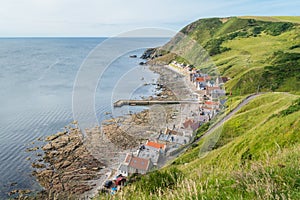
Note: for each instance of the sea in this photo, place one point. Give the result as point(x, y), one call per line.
point(47, 83)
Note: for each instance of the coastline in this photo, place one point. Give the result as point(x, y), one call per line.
point(175, 87)
point(132, 130)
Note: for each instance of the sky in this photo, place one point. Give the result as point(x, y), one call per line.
point(96, 18)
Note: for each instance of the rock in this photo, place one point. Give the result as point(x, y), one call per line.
point(65, 157)
point(51, 137)
point(19, 192)
point(58, 165)
point(38, 165)
point(22, 192)
point(61, 133)
point(47, 147)
point(46, 173)
point(66, 164)
point(55, 136)
point(32, 149)
point(13, 184)
point(13, 192)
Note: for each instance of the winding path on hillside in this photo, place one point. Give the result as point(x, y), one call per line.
point(227, 117)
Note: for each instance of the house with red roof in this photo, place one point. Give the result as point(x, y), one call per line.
point(156, 146)
point(133, 164)
point(192, 124)
point(171, 132)
point(211, 104)
point(200, 79)
point(200, 83)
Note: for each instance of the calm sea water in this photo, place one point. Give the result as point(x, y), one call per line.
point(37, 77)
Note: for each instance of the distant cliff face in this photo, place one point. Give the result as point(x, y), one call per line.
point(149, 54)
point(256, 54)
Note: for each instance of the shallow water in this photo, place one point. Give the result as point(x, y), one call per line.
point(36, 81)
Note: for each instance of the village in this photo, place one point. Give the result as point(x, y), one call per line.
point(209, 93)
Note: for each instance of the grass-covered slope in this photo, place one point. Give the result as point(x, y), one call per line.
point(257, 53)
point(256, 153)
point(256, 157)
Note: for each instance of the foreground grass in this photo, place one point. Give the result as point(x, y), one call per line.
point(276, 178)
point(257, 156)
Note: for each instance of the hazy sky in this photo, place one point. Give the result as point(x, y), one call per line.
point(111, 17)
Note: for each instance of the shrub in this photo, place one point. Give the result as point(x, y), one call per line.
point(202, 129)
point(277, 28)
point(291, 109)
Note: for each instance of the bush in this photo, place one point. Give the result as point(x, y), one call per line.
point(201, 130)
point(295, 46)
point(278, 28)
point(295, 107)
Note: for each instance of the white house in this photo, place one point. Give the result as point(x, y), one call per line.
point(154, 155)
point(177, 139)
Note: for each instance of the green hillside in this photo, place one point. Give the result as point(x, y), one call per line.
point(256, 153)
point(256, 157)
point(257, 53)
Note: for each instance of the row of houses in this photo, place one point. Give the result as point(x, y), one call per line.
point(152, 153)
point(211, 86)
point(207, 86)
point(209, 90)
point(184, 67)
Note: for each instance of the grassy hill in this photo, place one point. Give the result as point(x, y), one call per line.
point(257, 53)
point(257, 151)
point(256, 157)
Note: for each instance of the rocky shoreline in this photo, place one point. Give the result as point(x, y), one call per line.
point(67, 169)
